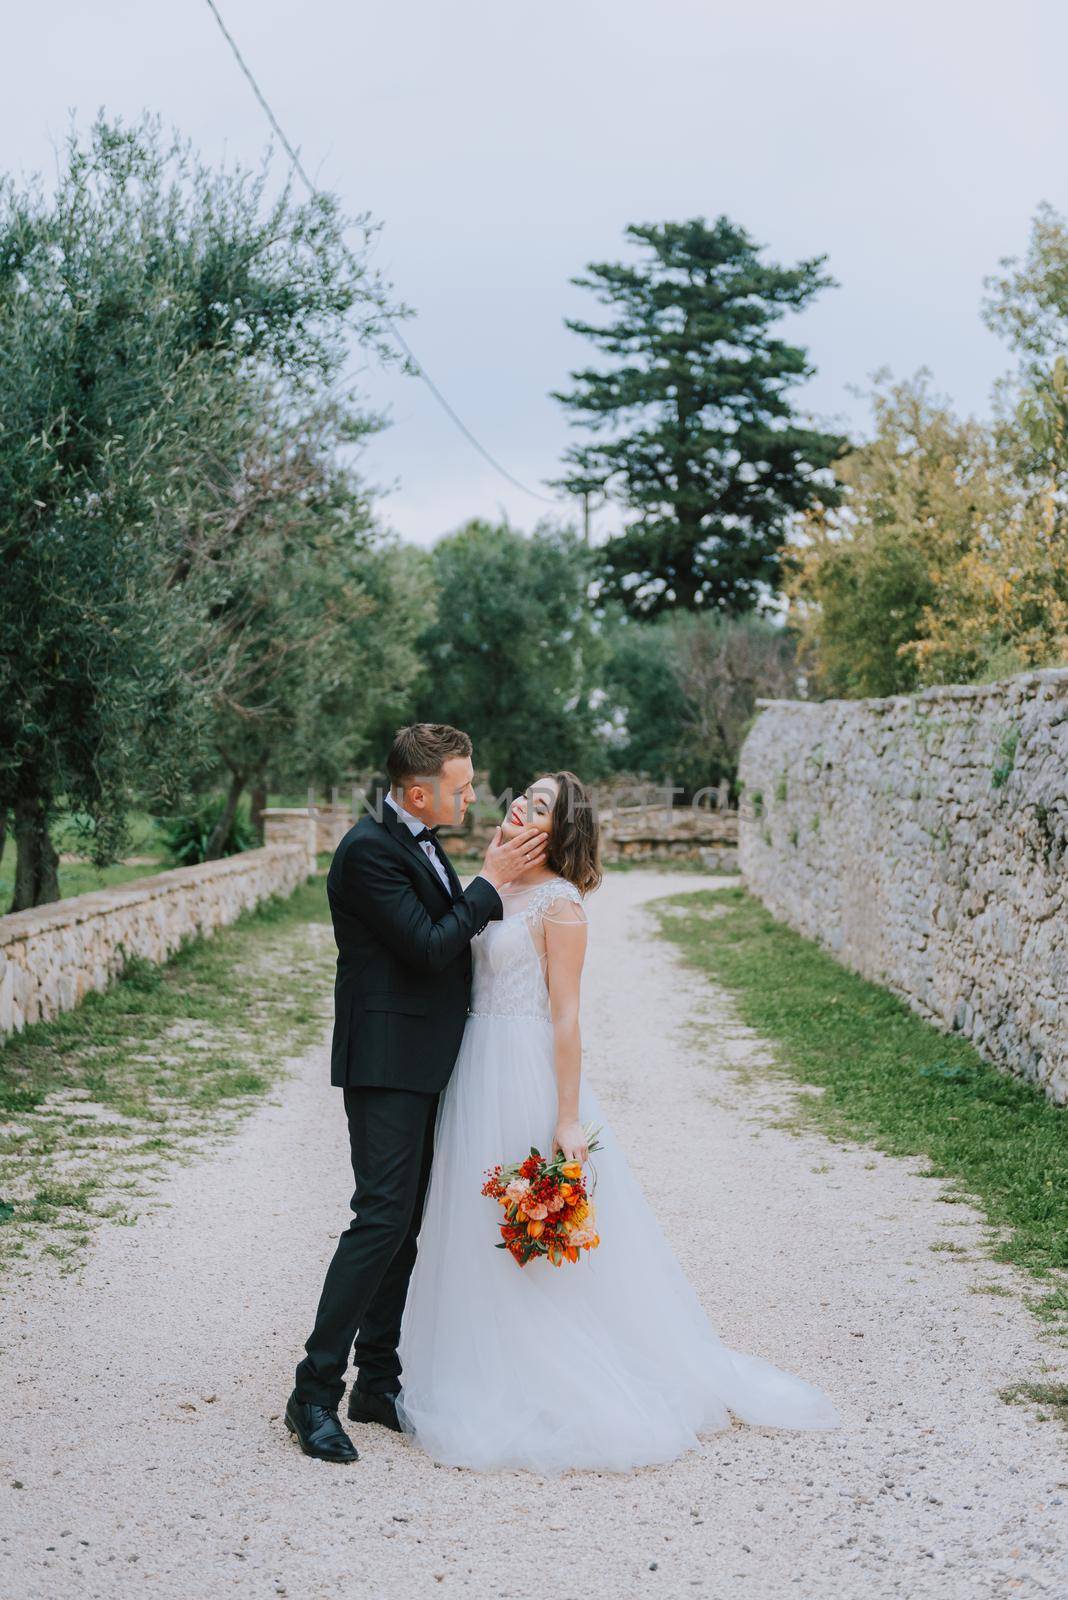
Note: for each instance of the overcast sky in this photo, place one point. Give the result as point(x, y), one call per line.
point(504, 145)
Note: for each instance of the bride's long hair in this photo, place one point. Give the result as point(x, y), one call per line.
point(574, 848)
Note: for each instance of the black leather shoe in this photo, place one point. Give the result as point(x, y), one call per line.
point(374, 1408)
point(318, 1431)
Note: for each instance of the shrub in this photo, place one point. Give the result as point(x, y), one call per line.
point(186, 837)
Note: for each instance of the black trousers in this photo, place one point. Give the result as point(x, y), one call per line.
point(391, 1136)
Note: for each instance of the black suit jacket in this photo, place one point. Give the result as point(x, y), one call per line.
point(404, 958)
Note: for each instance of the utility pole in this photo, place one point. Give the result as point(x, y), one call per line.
point(589, 507)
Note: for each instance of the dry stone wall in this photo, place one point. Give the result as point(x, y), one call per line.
point(652, 832)
point(677, 832)
point(51, 957)
point(923, 839)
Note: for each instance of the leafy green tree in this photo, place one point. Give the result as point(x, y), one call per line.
point(380, 671)
point(136, 302)
point(511, 655)
point(861, 577)
point(693, 429)
point(1029, 307)
point(647, 704)
point(1028, 304)
point(887, 592)
point(310, 616)
point(947, 558)
point(685, 688)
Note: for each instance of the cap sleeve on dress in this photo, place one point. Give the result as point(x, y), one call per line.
point(558, 901)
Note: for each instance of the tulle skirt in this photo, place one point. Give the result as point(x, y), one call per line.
point(606, 1363)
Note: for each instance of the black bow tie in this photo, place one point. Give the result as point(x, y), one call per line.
point(426, 833)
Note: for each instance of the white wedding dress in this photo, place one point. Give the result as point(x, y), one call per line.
point(606, 1363)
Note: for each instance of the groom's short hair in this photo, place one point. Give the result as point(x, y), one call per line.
point(422, 749)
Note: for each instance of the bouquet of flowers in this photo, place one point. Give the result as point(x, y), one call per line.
point(547, 1210)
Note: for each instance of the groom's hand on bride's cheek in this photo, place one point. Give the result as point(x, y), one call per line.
point(507, 861)
point(529, 847)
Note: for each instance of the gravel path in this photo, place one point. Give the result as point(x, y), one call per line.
point(143, 1452)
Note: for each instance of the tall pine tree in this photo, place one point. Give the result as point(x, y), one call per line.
point(692, 426)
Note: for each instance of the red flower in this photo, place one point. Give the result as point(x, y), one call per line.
point(526, 1235)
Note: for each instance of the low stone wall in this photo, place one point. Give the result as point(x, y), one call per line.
point(924, 840)
point(282, 825)
point(657, 833)
point(653, 832)
point(51, 957)
point(332, 823)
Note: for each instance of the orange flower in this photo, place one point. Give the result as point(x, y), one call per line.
point(546, 1209)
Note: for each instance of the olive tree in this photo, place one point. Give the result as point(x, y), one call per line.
point(138, 300)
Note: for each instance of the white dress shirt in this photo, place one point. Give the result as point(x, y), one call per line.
point(425, 845)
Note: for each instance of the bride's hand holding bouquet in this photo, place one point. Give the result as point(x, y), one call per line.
point(547, 1209)
point(571, 1140)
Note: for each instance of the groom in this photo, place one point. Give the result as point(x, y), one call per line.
point(403, 927)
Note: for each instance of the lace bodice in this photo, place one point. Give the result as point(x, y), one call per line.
point(509, 956)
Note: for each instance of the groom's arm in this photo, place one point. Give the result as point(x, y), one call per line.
point(377, 889)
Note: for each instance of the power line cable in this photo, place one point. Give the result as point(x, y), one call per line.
point(420, 370)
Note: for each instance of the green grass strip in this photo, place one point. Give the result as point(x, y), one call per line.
point(888, 1076)
point(93, 1103)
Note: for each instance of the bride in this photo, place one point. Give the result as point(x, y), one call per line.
point(608, 1363)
